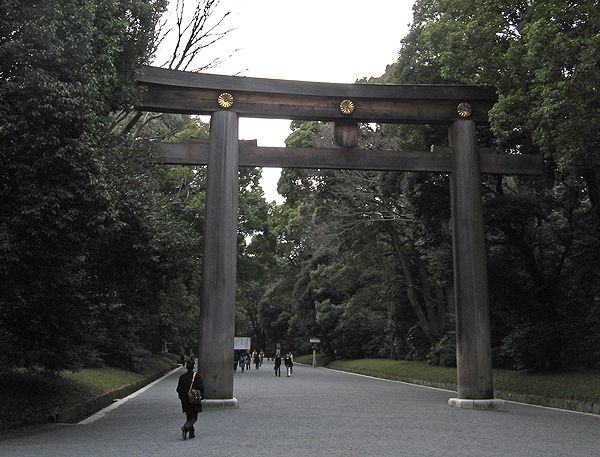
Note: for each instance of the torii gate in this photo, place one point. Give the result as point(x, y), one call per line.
point(225, 98)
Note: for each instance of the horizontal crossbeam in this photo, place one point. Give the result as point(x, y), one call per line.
point(171, 91)
point(437, 160)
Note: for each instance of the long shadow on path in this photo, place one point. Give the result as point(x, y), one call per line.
point(316, 412)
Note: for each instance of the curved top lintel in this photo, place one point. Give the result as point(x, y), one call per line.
point(162, 76)
point(196, 93)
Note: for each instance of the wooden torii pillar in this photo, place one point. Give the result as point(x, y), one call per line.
point(227, 97)
point(217, 313)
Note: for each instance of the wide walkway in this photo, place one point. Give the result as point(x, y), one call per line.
point(316, 412)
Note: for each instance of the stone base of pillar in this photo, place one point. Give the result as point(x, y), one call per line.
point(227, 403)
point(486, 404)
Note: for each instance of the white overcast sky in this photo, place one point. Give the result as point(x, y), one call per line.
point(308, 40)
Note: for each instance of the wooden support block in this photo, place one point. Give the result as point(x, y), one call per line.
point(345, 133)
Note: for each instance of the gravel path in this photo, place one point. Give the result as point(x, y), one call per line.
point(316, 412)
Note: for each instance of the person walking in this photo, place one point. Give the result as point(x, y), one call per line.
point(289, 364)
point(277, 367)
point(187, 381)
point(256, 360)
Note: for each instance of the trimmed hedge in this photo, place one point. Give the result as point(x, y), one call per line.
point(31, 398)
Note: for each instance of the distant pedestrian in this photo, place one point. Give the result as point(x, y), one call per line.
point(289, 364)
point(242, 362)
point(248, 358)
point(261, 354)
point(256, 360)
point(187, 381)
point(277, 367)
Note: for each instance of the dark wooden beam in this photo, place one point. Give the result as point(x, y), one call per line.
point(196, 93)
point(503, 164)
point(439, 159)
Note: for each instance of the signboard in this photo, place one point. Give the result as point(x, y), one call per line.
point(241, 343)
point(315, 340)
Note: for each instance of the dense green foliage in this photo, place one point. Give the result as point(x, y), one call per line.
point(370, 271)
point(64, 66)
point(100, 248)
point(542, 234)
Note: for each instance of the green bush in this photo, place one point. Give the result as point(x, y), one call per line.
point(443, 353)
point(27, 398)
point(30, 397)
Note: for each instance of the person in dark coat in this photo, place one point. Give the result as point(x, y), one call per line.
point(191, 410)
point(277, 366)
point(256, 360)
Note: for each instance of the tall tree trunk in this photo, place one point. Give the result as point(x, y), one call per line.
point(411, 288)
point(433, 299)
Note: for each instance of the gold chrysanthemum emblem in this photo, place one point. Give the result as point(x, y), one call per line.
point(464, 109)
point(347, 107)
point(225, 100)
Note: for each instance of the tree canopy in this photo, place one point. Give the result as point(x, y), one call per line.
point(542, 233)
